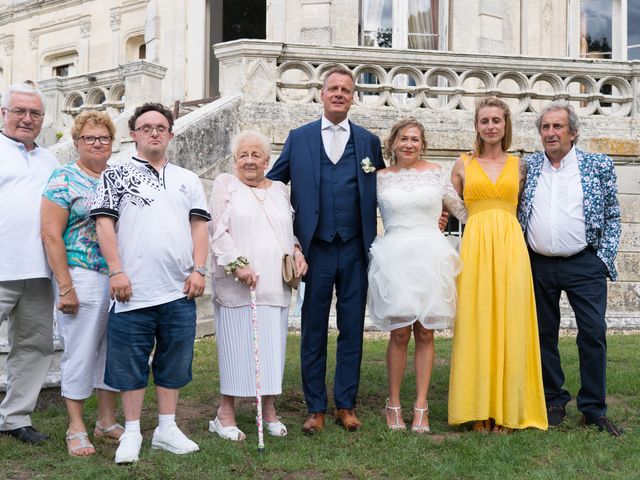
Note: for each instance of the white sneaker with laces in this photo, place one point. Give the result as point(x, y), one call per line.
point(129, 448)
point(173, 440)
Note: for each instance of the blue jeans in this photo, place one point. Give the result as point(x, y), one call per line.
point(130, 341)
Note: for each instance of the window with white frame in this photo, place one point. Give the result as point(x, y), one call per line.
point(596, 28)
point(633, 29)
point(412, 24)
point(605, 29)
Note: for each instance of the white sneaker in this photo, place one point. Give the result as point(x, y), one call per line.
point(173, 440)
point(129, 448)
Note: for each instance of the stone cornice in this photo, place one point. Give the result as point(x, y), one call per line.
point(26, 9)
point(128, 6)
point(101, 78)
point(142, 66)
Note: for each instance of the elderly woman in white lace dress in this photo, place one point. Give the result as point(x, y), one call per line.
point(413, 268)
point(252, 228)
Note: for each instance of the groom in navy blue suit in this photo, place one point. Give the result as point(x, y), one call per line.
point(331, 165)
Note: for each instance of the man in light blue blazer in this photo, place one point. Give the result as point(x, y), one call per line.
point(331, 165)
point(571, 219)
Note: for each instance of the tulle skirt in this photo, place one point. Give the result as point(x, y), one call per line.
point(412, 277)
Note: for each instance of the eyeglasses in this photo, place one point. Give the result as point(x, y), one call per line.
point(20, 113)
point(90, 139)
point(148, 129)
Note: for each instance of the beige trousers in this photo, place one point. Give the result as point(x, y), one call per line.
point(28, 307)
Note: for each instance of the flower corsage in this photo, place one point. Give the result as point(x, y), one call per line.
point(367, 166)
point(239, 262)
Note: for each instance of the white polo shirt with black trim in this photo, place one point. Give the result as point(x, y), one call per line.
point(153, 210)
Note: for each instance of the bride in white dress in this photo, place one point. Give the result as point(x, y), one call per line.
point(413, 268)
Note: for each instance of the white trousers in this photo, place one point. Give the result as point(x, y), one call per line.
point(84, 335)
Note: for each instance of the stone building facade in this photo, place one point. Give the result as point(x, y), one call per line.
point(425, 58)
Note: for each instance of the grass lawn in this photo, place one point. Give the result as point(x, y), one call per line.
point(374, 452)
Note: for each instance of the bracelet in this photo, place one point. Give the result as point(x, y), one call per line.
point(115, 272)
point(64, 294)
point(298, 252)
point(239, 262)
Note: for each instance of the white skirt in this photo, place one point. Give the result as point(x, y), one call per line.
point(236, 360)
point(412, 277)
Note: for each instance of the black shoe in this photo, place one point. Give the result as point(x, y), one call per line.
point(603, 424)
point(555, 415)
point(26, 435)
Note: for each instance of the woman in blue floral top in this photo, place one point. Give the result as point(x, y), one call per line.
point(81, 280)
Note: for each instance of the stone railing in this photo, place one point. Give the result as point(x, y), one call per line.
point(111, 90)
point(265, 71)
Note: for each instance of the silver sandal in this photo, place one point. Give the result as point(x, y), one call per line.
point(104, 433)
point(84, 443)
point(397, 410)
point(419, 428)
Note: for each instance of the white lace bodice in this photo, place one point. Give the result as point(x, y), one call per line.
point(413, 198)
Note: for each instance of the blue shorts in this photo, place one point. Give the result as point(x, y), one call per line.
point(130, 340)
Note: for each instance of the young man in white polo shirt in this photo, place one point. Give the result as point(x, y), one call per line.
point(151, 221)
point(26, 297)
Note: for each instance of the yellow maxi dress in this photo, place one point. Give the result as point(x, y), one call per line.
point(495, 362)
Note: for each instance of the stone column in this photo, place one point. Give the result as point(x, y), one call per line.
point(142, 82)
point(249, 68)
point(196, 50)
point(53, 96)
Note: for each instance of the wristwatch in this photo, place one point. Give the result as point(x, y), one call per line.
point(201, 269)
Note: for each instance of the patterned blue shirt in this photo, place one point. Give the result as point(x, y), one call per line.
point(600, 199)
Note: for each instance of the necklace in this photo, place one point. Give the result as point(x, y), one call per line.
point(253, 191)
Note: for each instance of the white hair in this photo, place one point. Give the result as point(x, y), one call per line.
point(250, 136)
point(21, 88)
point(574, 121)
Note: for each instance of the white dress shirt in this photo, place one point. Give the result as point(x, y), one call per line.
point(556, 226)
point(342, 132)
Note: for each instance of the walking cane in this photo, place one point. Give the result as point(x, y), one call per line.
point(256, 354)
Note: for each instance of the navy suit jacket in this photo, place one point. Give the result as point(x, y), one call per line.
point(299, 163)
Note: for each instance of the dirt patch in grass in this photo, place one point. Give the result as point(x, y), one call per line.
point(14, 471)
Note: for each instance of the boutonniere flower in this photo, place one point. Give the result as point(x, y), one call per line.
point(367, 166)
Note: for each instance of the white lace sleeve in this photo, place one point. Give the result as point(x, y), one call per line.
point(455, 205)
point(222, 246)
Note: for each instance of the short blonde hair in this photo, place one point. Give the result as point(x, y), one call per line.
point(396, 130)
point(485, 102)
point(94, 119)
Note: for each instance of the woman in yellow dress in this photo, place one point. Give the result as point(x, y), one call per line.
point(496, 376)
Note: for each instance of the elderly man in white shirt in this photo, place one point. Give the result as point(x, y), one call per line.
point(26, 296)
point(571, 218)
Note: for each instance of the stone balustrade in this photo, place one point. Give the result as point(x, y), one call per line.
point(434, 80)
point(114, 90)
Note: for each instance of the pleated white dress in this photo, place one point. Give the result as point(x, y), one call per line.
point(241, 228)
